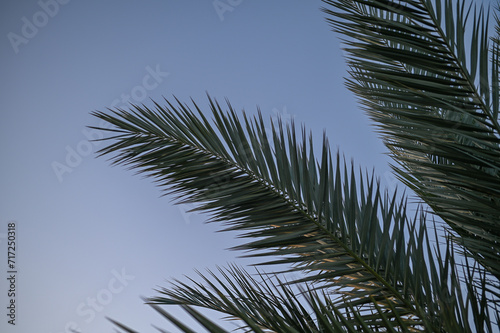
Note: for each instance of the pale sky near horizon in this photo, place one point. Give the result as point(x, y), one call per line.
point(92, 238)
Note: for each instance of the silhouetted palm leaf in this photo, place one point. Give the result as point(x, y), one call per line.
point(365, 264)
point(316, 215)
point(436, 100)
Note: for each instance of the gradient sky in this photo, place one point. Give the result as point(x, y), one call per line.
point(89, 232)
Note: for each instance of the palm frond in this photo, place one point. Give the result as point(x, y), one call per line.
point(435, 100)
point(264, 304)
point(269, 304)
point(316, 214)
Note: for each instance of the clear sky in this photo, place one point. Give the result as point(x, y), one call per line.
point(91, 238)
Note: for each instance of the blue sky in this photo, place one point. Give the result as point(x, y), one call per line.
point(91, 238)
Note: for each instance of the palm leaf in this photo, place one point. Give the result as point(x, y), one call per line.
point(435, 100)
point(315, 214)
point(263, 305)
point(268, 303)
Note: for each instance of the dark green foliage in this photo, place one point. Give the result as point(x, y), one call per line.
point(365, 263)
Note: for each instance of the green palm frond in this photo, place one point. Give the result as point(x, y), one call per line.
point(435, 99)
point(260, 305)
point(266, 304)
point(315, 214)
